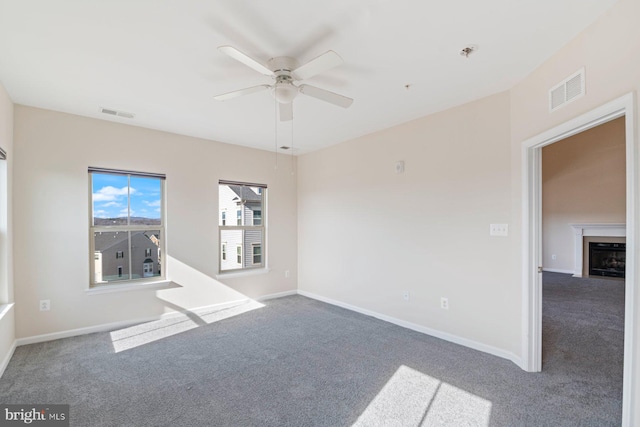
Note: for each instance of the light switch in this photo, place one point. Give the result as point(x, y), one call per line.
point(501, 230)
point(400, 166)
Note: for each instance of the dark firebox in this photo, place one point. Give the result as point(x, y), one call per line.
point(607, 259)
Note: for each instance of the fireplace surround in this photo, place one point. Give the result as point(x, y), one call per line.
point(585, 233)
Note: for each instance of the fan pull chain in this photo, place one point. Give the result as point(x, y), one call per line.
point(292, 171)
point(275, 121)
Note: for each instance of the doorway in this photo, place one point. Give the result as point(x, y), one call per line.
point(532, 233)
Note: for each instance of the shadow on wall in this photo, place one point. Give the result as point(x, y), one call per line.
point(214, 301)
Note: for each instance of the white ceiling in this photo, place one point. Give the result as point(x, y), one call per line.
point(158, 59)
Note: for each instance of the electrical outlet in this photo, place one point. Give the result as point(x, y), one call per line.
point(554, 257)
point(45, 305)
point(444, 303)
point(501, 230)
point(405, 295)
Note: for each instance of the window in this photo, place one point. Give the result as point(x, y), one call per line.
point(5, 208)
point(257, 217)
point(224, 218)
point(256, 250)
point(147, 269)
point(127, 225)
point(248, 234)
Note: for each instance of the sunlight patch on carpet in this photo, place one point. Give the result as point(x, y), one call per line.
point(145, 333)
point(411, 398)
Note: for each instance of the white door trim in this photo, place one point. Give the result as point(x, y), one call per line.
point(532, 234)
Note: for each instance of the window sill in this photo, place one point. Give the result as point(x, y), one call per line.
point(250, 272)
point(106, 289)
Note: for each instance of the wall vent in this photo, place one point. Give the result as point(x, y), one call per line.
point(113, 112)
point(570, 89)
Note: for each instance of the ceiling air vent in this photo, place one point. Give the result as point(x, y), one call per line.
point(567, 90)
point(117, 113)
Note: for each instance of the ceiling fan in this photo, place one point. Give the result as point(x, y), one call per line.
point(286, 72)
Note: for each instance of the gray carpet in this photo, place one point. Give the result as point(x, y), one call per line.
point(299, 362)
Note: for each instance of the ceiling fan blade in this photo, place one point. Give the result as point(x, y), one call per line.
point(327, 60)
point(237, 93)
point(245, 59)
point(286, 111)
point(325, 95)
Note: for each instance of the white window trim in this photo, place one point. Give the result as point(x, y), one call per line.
point(128, 286)
point(230, 274)
point(251, 268)
point(135, 283)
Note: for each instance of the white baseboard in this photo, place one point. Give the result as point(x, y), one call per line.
point(558, 270)
point(277, 295)
point(423, 329)
point(7, 358)
point(123, 324)
point(106, 327)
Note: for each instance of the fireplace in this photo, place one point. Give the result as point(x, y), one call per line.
point(607, 259)
point(587, 233)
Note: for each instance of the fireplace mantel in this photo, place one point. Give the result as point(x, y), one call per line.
point(592, 230)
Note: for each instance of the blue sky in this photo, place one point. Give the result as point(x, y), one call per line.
point(110, 196)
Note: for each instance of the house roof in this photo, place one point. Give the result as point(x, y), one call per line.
point(107, 240)
point(246, 194)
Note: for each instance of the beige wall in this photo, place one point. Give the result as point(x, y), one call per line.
point(583, 181)
point(7, 327)
point(52, 153)
point(366, 234)
point(608, 50)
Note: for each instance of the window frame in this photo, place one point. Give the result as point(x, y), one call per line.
point(239, 254)
point(129, 228)
point(253, 253)
point(262, 228)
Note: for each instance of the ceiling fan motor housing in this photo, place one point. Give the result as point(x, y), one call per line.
point(282, 65)
point(284, 91)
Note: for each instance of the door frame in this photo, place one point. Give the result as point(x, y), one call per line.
point(532, 233)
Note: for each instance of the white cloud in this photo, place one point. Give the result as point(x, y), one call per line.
point(109, 193)
point(100, 213)
point(112, 204)
point(153, 204)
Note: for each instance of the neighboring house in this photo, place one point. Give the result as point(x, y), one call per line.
point(240, 206)
point(112, 257)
